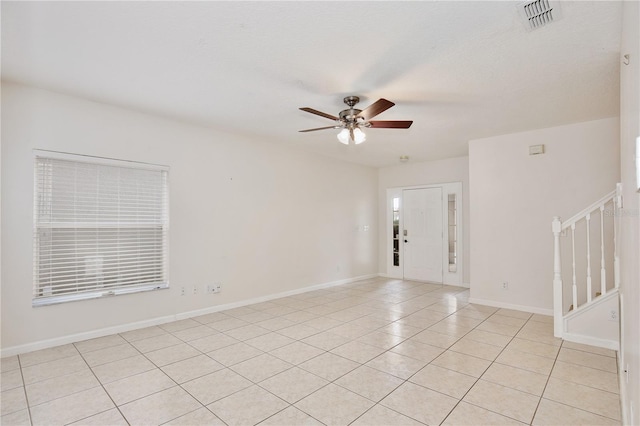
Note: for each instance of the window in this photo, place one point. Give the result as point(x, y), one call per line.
point(100, 227)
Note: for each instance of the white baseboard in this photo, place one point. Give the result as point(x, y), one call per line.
point(592, 341)
point(496, 304)
point(78, 337)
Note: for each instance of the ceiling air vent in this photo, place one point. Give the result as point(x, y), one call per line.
point(536, 14)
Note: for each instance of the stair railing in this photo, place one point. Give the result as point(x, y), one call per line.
point(559, 228)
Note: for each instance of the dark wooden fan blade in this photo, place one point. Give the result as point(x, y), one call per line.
point(318, 128)
point(320, 113)
point(376, 108)
point(391, 124)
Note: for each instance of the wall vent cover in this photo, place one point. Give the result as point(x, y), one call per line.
point(538, 13)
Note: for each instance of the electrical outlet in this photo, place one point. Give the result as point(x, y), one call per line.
point(195, 289)
point(505, 285)
point(213, 288)
point(183, 291)
point(613, 315)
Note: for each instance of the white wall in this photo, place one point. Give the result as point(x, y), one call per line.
point(514, 197)
point(630, 227)
point(424, 173)
point(260, 218)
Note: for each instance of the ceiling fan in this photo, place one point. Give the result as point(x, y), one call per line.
point(352, 120)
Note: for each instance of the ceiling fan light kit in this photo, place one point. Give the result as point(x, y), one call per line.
point(353, 120)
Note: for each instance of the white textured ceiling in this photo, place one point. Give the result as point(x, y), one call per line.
point(460, 70)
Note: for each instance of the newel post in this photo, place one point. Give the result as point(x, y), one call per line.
point(556, 228)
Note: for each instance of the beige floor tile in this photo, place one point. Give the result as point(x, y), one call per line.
point(417, 350)
point(247, 332)
point(215, 386)
point(247, 407)
point(322, 323)
point(71, 408)
point(142, 333)
point(401, 329)
point(586, 376)
point(381, 415)
point(51, 369)
point(184, 324)
point(551, 413)
point(477, 349)
point(499, 328)
point(9, 363)
point(138, 386)
point(194, 333)
point(10, 380)
point(294, 384)
point(213, 342)
point(201, 416)
point(396, 364)
point(326, 340)
point(358, 351)
point(461, 320)
point(505, 319)
point(160, 407)
point(239, 311)
point(515, 314)
point(535, 348)
point(156, 342)
point(12, 400)
point(435, 339)
point(516, 378)
point(296, 352)
point(257, 317)
point(210, 318)
point(120, 369)
point(172, 354)
point(192, 368)
point(539, 336)
point(329, 366)
point(17, 418)
point(290, 416)
point(270, 341)
point(110, 417)
point(228, 324)
point(261, 367)
point(462, 363)
point(234, 354)
point(503, 400)
point(381, 340)
point(600, 362)
point(470, 415)
point(110, 354)
point(99, 343)
point(60, 386)
point(548, 319)
point(300, 316)
point(47, 355)
point(450, 329)
point(443, 380)
point(470, 311)
point(334, 405)
point(411, 400)
point(588, 348)
point(596, 401)
point(370, 383)
point(487, 337)
point(526, 361)
point(298, 331)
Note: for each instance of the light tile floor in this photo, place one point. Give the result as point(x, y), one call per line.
point(375, 352)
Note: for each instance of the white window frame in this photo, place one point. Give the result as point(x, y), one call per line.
point(108, 231)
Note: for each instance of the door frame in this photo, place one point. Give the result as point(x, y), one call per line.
point(397, 271)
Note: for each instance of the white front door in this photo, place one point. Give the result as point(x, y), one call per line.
point(423, 237)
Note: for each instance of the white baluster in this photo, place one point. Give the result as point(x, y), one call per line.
point(603, 272)
point(588, 218)
point(573, 263)
point(617, 205)
point(556, 228)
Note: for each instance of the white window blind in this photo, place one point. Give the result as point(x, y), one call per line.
point(100, 227)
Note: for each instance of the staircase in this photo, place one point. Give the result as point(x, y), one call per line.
point(585, 305)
